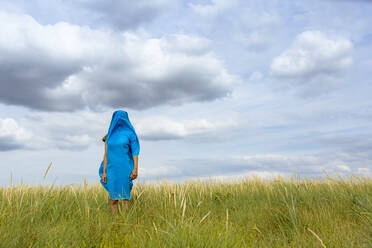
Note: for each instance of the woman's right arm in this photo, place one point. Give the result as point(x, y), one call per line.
point(105, 159)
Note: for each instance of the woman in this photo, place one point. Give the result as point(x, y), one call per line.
point(120, 163)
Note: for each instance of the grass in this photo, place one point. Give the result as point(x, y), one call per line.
point(251, 212)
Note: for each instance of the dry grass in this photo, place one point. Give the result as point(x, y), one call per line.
point(251, 212)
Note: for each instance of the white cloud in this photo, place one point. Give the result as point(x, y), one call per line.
point(163, 128)
point(64, 67)
point(12, 135)
point(256, 31)
point(182, 43)
point(216, 7)
point(255, 76)
point(260, 19)
point(344, 167)
point(363, 170)
point(314, 53)
point(246, 175)
point(154, 174)
point(9, 127)
point(255, 40)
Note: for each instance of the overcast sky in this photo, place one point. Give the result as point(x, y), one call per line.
point(217, 88)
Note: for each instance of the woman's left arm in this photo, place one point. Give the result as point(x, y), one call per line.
point(135, 147)
point(135, 169)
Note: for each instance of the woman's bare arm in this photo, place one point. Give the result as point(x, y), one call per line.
point(104, 175)
point(105, 159)
point(135, 169)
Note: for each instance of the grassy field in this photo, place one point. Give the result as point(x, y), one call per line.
point(252, 212)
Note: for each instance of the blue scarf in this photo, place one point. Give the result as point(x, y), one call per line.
point(119, 123)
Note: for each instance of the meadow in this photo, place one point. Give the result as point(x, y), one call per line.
point(249, 212)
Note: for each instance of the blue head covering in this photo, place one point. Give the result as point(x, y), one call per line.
point(121, 126)
point(120, 122)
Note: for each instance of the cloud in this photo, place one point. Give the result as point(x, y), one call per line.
point(261, 165)
point(255, 31)
point(65, 67)
point(313, 53)
point(181, 43)
point(124, 14)
point(352, 1)
point(74, 142)
point(244, 175)
point(255, 76)
point(211, 10)
point(364, 171)
point(112, 14)
point(66, 131)
point(360, 145)
point(163, 128)
point(254, 40)
point(13, 136)
point(78, 131)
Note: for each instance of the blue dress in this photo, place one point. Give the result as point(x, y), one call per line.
point(122, 145)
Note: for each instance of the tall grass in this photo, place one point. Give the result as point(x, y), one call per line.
point(250, 212)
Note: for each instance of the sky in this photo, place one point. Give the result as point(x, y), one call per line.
point(220, 89)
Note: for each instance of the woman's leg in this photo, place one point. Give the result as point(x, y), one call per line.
point(114, 206)
point(126, 204)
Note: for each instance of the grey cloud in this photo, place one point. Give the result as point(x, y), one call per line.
point(67, 131)
point(354, 149)
point(160, 136)
point(343, 154)
point(351, 143)
point(305, 165)
point(25, 79)
point(73, 143)
point(116, 14)
point(9, 144)
point(77, 131)
point(67, 136)
point(187, 84)
point(66, 68)
point(125, 14)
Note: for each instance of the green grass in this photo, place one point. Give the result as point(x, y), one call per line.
point(329, 212)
